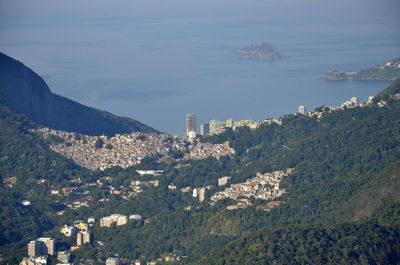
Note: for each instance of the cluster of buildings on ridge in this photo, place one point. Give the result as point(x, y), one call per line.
point(353, 102)
point(217, 127)
point(128, 149)
point(262, 186)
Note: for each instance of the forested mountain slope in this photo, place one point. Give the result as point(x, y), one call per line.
point(344, 190)
point(342, 204)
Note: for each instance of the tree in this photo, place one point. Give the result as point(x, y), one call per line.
point(99, 143)
point(109, 146)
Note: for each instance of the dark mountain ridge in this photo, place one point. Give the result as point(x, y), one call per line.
point(24, 91)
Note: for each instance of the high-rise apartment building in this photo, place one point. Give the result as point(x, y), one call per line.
point(190, 123)
point(204, 129)
point(201, 194)
point(33, 248)
point(41, 246)
point(230, 123)
point(82, 237)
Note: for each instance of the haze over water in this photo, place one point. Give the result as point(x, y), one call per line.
point(155, 61)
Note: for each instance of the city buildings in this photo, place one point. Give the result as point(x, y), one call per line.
point(353, 102)
point(302, 109)
point(82, 237)
point(230, 123)
point(118, 219)
point(262, 186)
point(41, 246)
point(204, 129)
point(223, 181)
point(217, 127)
point(190, 124)
point(201, 194)
point(68, 230)
point(41, 260)
point(112, 261)
point(64, 256)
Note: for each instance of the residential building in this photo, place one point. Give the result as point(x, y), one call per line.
point(223, 181)
point(204, 129)
point(190, 123)
point(33, 248)
point(81, 226)
point(302, 109)
point(41, 260)
point(106, 222)
point(118, 219)
point(64, 256)
point(82, 237)
point(68, 230)
point(201, 194)
point(112, 261)
point(135, 217)
point(230, 123)
point(217, 127)
point(41, 246)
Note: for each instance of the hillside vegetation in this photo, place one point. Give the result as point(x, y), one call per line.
point(342, 204)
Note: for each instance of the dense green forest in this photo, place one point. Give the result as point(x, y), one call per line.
point(340, 244)
point(342, 203)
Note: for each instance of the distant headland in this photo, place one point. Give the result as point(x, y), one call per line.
point(387, 71)
point(263, 51)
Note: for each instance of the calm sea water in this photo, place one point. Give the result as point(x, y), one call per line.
point(155, 61)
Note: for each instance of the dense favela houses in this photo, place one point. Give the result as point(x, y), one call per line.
point(263, 186)
point(102, 152)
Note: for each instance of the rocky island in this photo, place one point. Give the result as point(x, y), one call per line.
point(263, 51)
point(387, 71)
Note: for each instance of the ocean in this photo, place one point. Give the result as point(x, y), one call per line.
point(155, 61)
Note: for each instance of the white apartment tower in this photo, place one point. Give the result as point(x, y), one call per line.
point(190, 123)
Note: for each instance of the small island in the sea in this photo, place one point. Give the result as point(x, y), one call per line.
point(386, 71)
point(263, 51)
